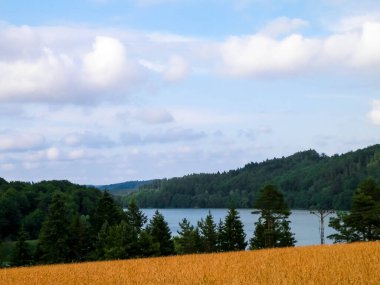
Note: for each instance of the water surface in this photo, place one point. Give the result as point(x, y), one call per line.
point(304, 225)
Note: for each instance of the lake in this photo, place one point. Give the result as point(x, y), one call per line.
point(304, 225)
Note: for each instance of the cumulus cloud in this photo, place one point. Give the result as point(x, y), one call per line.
point(374, 114)
point(41, 78)
point(262, 55)
point(47, 67)
point(107, 64)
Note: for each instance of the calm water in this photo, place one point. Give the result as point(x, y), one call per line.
point(303, 224)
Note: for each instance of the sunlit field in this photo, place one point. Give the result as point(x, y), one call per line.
point(331, 264)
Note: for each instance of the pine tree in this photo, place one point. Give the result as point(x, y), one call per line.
point(80, 238)
point(362, 223)
point(209, 233)
point(148, 247)
point(159, 230)
point(54, 235)
point(272, 229)
point(135, 217)
point(21, 255)
point(122, 242)
point(106, 210)
point(188, 238)
point(101, 243)
point(232, 236)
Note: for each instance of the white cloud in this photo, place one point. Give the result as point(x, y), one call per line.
point(87, 139)
point(107, 64)
point(374, 114)
point(352, 23)
point(261, 55)
point(16, 142)
point(153, 66)
point(177, 69)
point(56, 64)
point(52, 153)
point(41, 78)
point(283, 25)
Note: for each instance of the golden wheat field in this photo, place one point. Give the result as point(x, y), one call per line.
point(357, 263)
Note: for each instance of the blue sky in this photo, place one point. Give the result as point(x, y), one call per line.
point(103, 91)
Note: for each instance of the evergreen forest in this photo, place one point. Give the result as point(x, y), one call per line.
point(307, 179)
point(61, 222)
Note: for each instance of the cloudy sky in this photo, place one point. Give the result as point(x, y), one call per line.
point(104, 91)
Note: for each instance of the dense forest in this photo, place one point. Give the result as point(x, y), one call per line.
point(27, 204)
point(60, 222)
point(307, 179)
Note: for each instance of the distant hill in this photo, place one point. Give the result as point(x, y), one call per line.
point(308, 180)
point(123, 187)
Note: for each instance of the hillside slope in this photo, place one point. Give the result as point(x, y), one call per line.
point(308, 180)
point(123, 187)
point(357, 263)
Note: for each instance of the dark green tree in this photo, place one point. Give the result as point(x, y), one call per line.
point(232, 236)
point(21, 254)
point(159, 230)
point(122, 242)
point(148, 247)
point(209, 233)
point(80, 238)
point(188, 239)
point(54, 237)
point(106, 210)
point(362, 223)
point(135, 217)
point(99, 252)
point(272, 229)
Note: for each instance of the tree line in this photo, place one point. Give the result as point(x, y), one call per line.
point(77, 227)
point(110, 233)
point(308, 180)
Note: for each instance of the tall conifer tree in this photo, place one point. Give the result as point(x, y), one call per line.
point(159, 230)
point(272, 229)
point(54, 236)
point(232, 236)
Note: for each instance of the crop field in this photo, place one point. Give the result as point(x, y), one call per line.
point(357, 263)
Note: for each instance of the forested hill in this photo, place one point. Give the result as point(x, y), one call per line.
point(307, 179)
point(27, 204)
point(124, 187)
